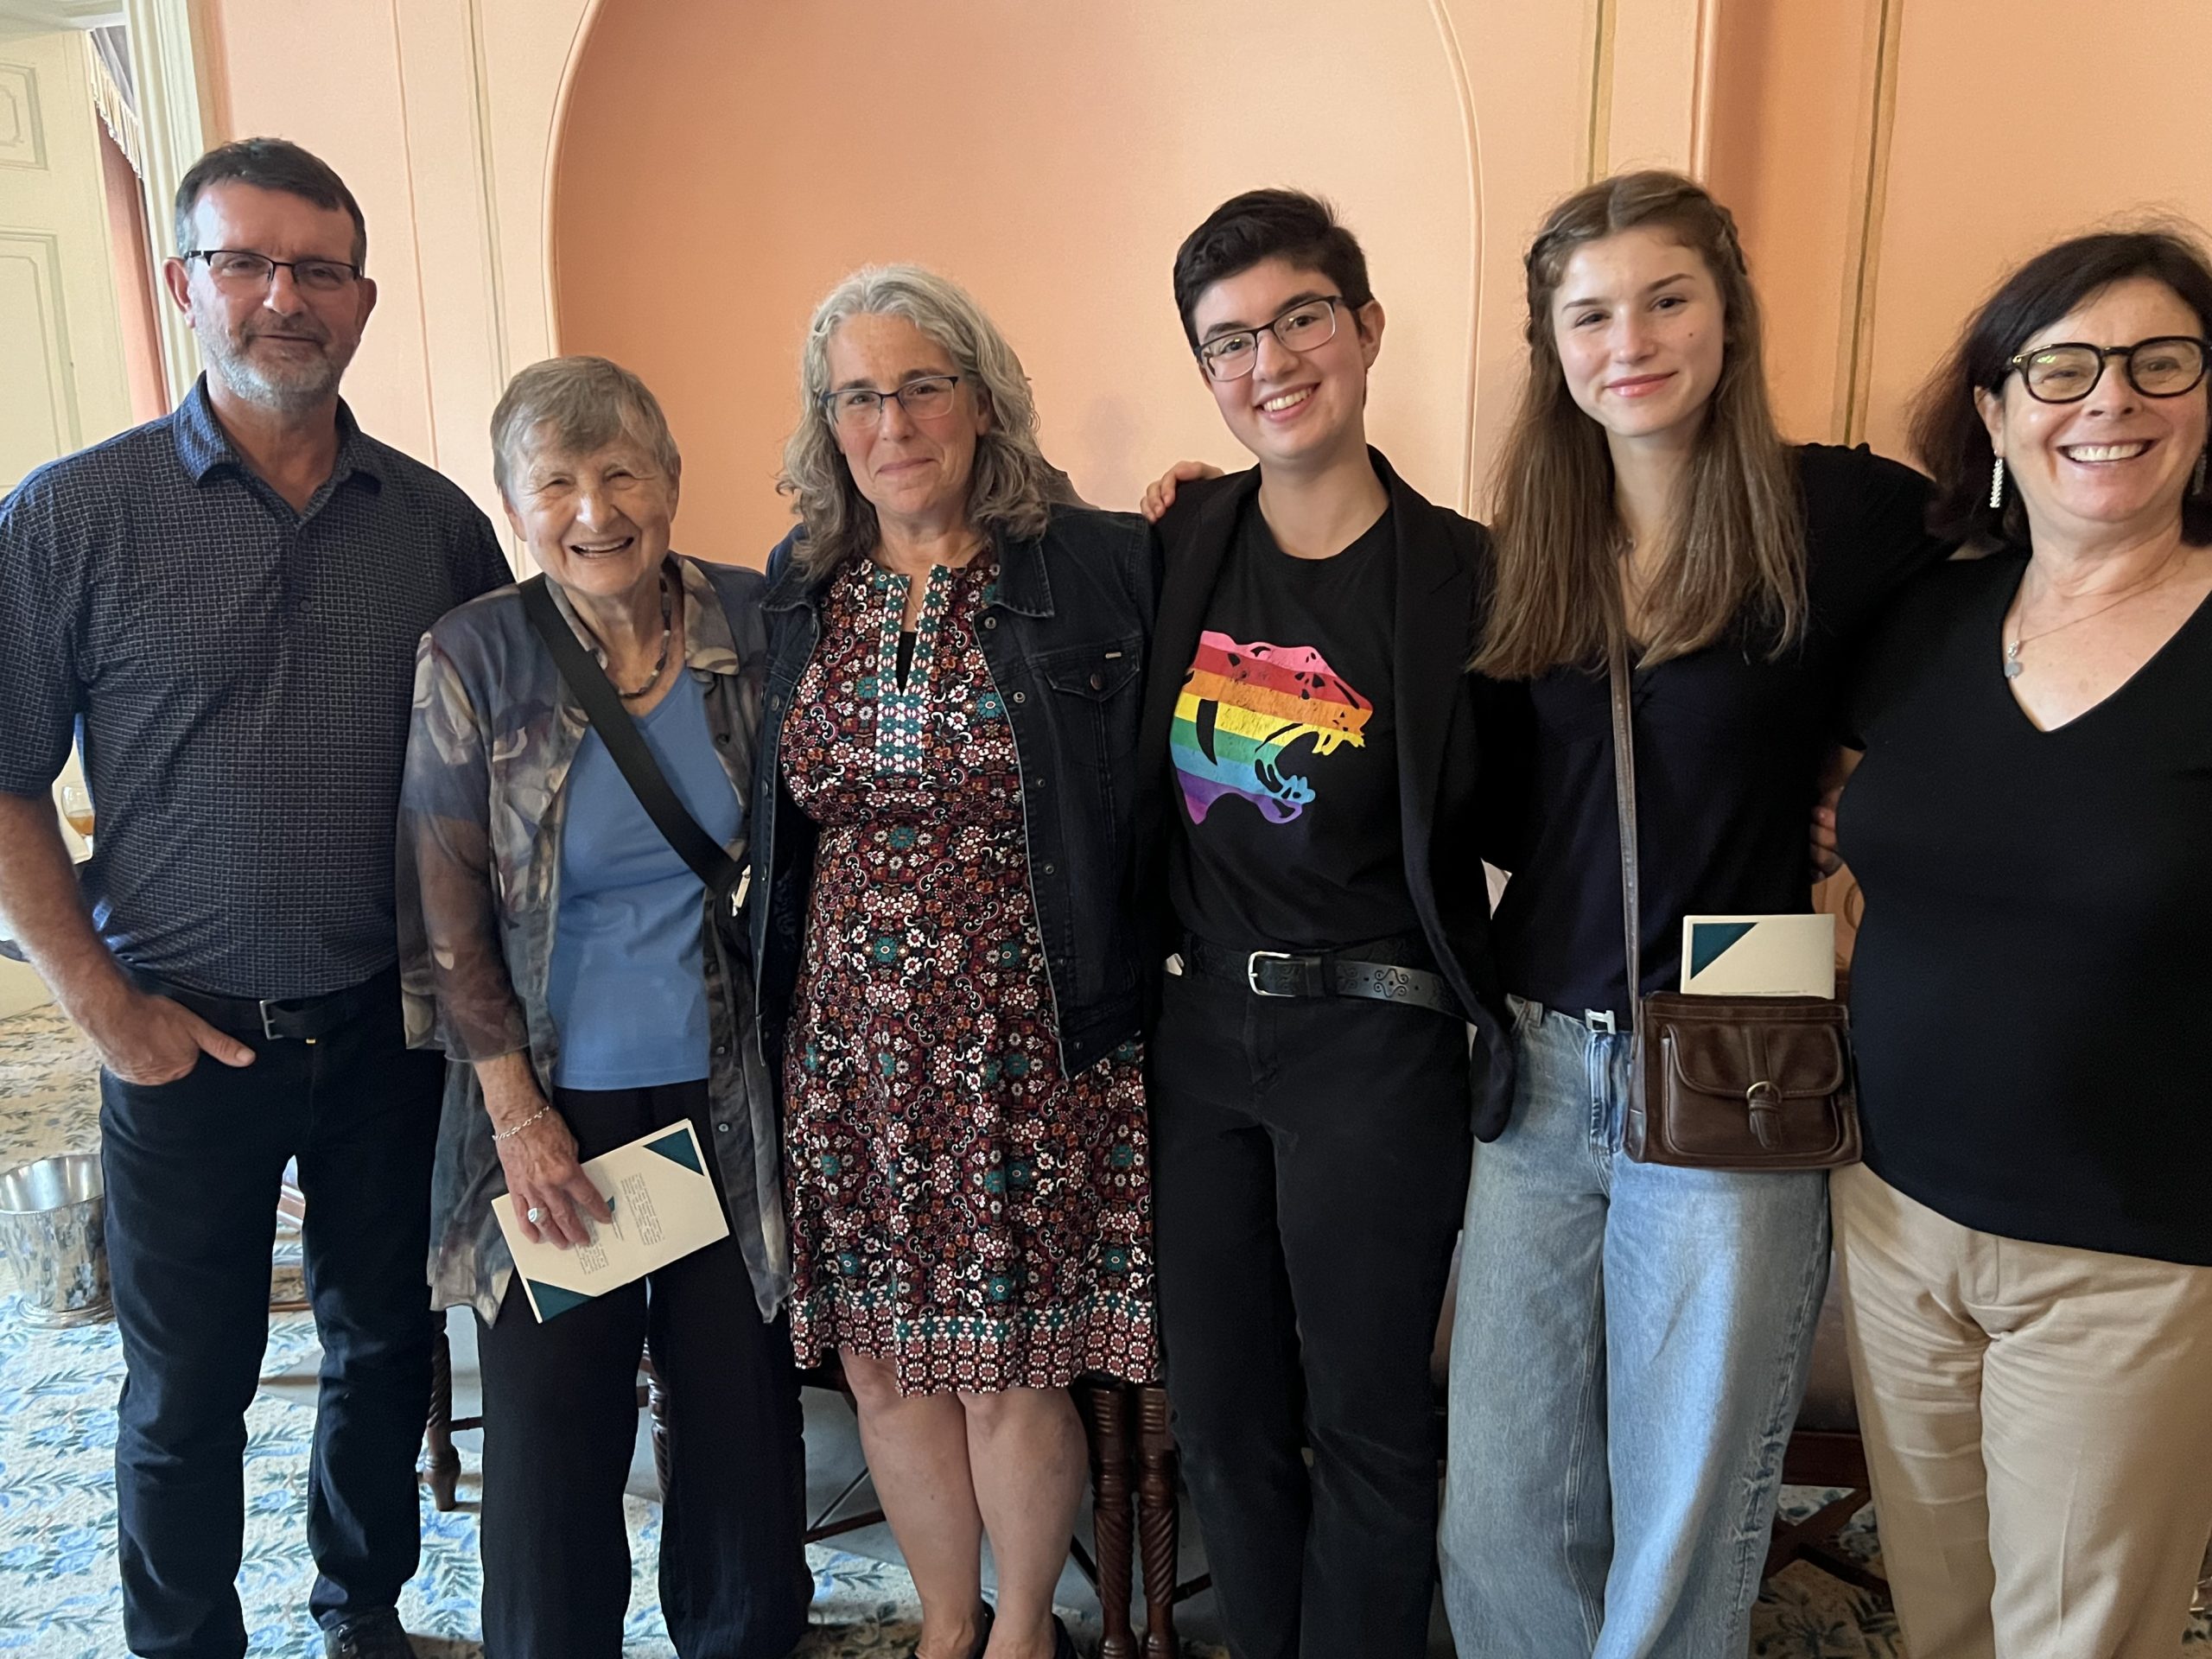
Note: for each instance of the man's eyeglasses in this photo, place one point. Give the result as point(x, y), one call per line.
point(1308, 324)
point(858, 408)
point(2066, 373)
point(245, 271)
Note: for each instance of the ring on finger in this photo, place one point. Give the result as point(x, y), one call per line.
point(535, 1214)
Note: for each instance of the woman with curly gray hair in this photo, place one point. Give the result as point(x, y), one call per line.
point(949, 965)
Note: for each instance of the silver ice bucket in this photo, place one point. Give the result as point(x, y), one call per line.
point(53, 1238)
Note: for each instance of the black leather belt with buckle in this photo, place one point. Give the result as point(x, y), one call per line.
point(299, 1019)
point(1373, 977)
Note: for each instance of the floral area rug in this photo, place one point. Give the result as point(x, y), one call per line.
point(58, 1582)
point(58, 1585)
point(58, 1596)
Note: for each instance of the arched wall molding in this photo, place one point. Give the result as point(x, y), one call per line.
point(452, 119)
point(588, 17)
point(1855, 385)
point(1460, 387)
point(1471, 135)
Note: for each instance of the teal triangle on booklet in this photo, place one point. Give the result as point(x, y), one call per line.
point(677, 1150)
point(1709, 941)
point(551, 1299)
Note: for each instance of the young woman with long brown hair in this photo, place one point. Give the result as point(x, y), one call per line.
point(1629, 1339)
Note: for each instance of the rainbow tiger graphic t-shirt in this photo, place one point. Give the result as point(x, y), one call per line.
point(1284, 751)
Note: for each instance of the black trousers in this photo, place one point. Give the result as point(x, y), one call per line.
point(193, 1169)
point(561, 1423)
point(1310, 1167)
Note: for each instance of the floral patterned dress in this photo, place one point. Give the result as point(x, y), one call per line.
point(958, 1207)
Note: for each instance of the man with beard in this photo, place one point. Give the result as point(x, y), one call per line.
point(220, 608)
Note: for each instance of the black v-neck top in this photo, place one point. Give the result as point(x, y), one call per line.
point(2032, 990)
point(1728, 750)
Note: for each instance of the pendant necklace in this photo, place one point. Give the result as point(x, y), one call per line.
point(2014, 667)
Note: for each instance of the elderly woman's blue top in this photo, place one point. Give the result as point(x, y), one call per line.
point(627, 986)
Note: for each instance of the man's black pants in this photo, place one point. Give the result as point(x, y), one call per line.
point(561, 1422)
point(1310, 1167)
point(193, 1169)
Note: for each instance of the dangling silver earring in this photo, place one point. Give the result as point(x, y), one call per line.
point(1997, 481)
point(2197, 487)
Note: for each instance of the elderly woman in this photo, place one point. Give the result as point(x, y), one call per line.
point(559, 950)
point(950, 972)
point(2026, 1254)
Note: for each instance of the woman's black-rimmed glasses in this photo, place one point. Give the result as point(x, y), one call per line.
point(2069, 371)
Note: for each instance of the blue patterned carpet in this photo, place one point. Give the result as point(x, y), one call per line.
point(58, 1596)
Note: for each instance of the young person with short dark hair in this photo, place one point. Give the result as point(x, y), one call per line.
point(1311, 780)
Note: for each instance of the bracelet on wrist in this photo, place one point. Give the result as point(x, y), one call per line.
point(516, 1129)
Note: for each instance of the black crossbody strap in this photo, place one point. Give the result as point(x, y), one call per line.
point(603, 708)
point(1624, 812)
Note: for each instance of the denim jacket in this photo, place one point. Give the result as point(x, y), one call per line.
point(1065, 630)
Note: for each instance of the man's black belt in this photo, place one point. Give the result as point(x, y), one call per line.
point(1374, 972)
point(300, 1019)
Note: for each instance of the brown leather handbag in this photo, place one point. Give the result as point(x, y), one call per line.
point(1747, 1083)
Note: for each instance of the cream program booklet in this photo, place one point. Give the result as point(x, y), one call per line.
point(665, 1206)
point(1758, 955)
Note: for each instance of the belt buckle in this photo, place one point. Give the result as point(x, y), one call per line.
point(269, 1033)
point(1252, 970)
point(1599, 1019)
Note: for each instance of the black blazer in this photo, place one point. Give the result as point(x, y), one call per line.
point(1446, 793)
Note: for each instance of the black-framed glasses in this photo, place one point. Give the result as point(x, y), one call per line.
point(925, 398)
point(1308, 324)
point(2069, 371)
point(243, 268)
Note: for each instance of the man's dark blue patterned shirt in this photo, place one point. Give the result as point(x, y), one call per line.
point(238, 676)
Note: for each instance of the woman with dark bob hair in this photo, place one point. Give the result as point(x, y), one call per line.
point(2026, 1254)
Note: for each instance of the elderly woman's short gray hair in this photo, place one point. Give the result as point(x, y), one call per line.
point(1013, 487)
point(576, 406)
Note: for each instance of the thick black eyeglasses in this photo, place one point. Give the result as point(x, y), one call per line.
point(2069, 371)
point(925, 398)
point(241, 268)
point(1304, 326)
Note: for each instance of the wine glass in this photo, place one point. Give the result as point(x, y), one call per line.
point(77, 809)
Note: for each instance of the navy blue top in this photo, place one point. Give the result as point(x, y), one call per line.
point(1729, 743)
point(238, 676)
point(2029, 995)
point(627, 986)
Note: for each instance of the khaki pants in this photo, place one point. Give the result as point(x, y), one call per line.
point(2038, 1426)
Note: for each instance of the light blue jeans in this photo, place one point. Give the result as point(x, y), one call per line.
point(1627, 1356)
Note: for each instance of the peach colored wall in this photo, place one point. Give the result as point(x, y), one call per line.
point(440, 114)
point(446, 115)
point(1795, 90)
point(278, 61)
point(1980, 178)
point(1078, 143)
point(1888, 165)
point(626, 149)
point(718, 176)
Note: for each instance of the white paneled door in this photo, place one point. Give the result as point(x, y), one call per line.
point(63, 382)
